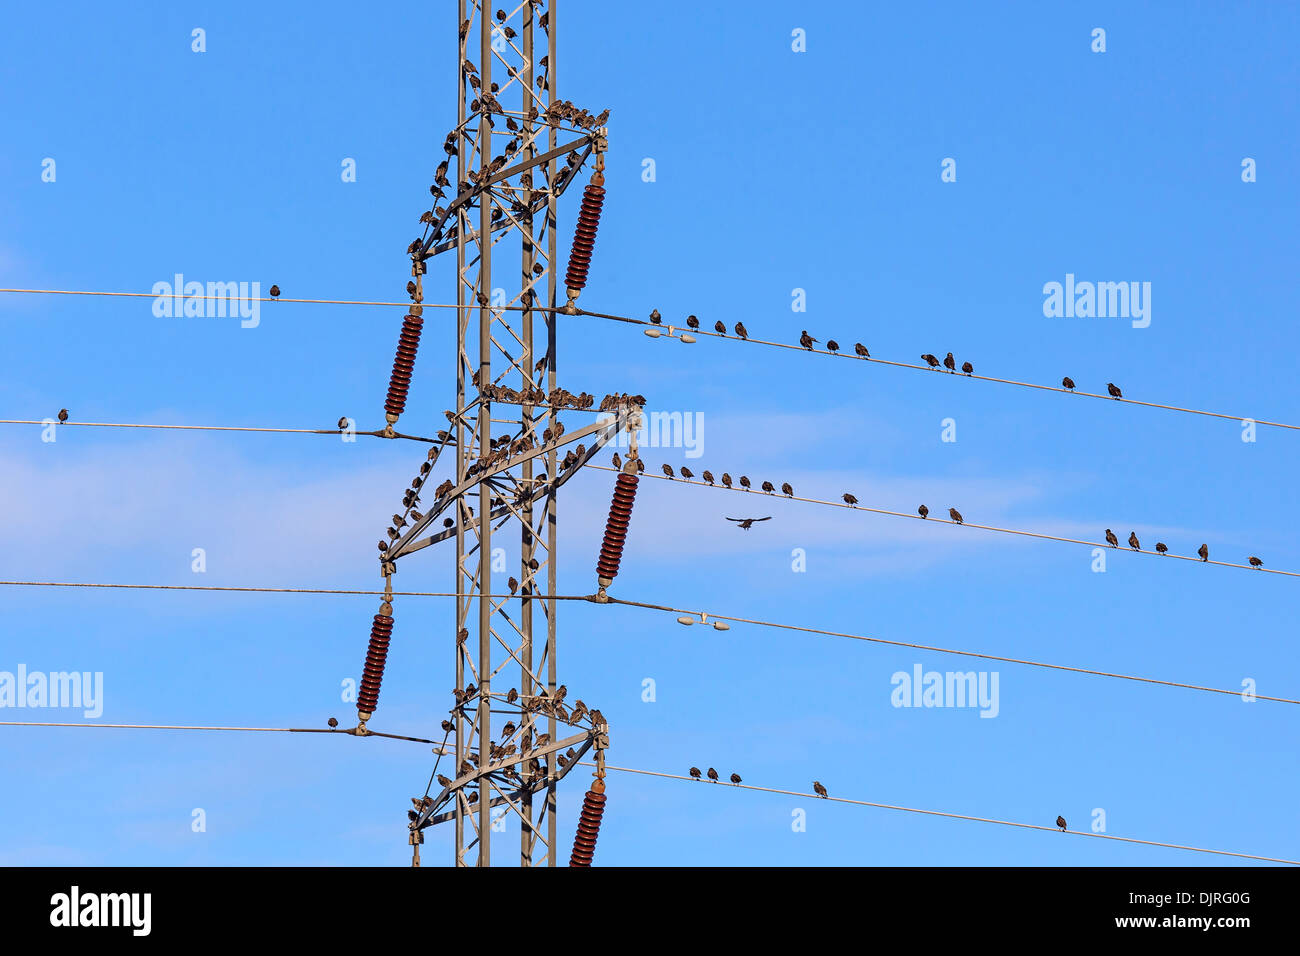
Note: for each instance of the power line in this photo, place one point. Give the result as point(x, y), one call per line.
point(265, 730)
point(257, 590)
point(953, 816)
point(378, 433)
point(963, 524)
point(695, 332)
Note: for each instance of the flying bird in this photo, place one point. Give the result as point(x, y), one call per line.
point(819, 789)
point(741, 330)
point(713, 774)
point(735, 778)
point(1111, 539)
point(747, 523)
point(1114, 390)
point(950, 363)
point(1060, 822)
point(1067, 382)
point(968, 368)
point(849, 499)
point(806, 340)
point(955, 515)
point(1204, 552)
point(930, 360)
point(695, 772)
point(832, 345)
point(923, 511)
point(1161, 547)
point(1255, 562)
point(1133, 541)
point(861, 350)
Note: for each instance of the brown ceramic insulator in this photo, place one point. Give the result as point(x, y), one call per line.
point(584, 238)
point(620, 511)
point(403, 365)
point(584, 841)
point(373, 673)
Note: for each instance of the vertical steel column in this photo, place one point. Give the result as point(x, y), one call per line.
point(527, 542)
point(462, 323)
point(484, 435)
point(551, 279)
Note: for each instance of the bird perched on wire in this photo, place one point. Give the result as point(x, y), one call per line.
point(923, 511)
point(950, 363)
point(735, 778)
point(1255, 562)
point(1161, 547)
point(968, 368)
point(63, 414)
point(741, 330)
point(1114, 391)
point(806, 340)
point(343, 423)
point(955, 515)
point(768, 487)
point(333, 721)
point(692, 321)
point(861, 350)
point(747, 523)
point(275, 291)
point(744, 481)
point(726, 479)
point(1133, 541)
point(1111, 539)
point(708, 476)
point(713, 774)
point(1204, 552)
point(668, 470)
point(1060, 822)
point(513, 585)
point(719, 328)
point(655, 317)
point(819, 789)
point(687, 473)
point(695, 772)
point(930, 360)
point(1067, 383)
point(832, 345)
point(787, 489)
point(849, 499)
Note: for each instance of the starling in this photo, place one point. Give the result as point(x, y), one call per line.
point(333, 721)
point(410, 289)
point(695, 772)
point(343, 423)
point(923, 511)
point(741, 330)
point(849, 499)
point(968, 368)
point(1067, 383)
point(819, 789)
point(1204, 552)
point(726, 479)
point(1114, 390)
point(1255, 562)
point(512, 695)
point(744, 481)
point(275, 292)
point(747, 523)
point(687, 473)
point(1161, 547)
point(656, 318)
point(448, 522)
point(950, 363)
point(719, 328)
point(1111, 539)
point(806, 340)
point(446, 726)
point(930, 360)
point(735, 778)
point(443, 781)
point(63, 414)
point(668, 470)
point(713, 774)
point(955, 515)
point(1060, 822)
point(861, 350)
point(1133, 541)
point(513, 585)
point(708, 476)
point(832, 345)
point(768, 487)
point(692, 321)
point(787, 489)
point(640, 466)
point(618, 462)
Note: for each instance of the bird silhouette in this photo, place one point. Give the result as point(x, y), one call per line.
point(1060, 822)
point(849, 499)
point(819, 789)
point(1204, 552)
point(713, 774)
point(692, 321)
point(747, 523)
point(668, 470)
point(923, 511)
point(950, 363)
point(513, 585)
point(955, 515)
point(656, 318)
point(768, 487)
point(930, 360)
point(695, 772)
point(787, 489)
point(618, 462)
point(726, 479)
point(968, 368)
point(1161, 547)
point(806, 340)
point(1114, 390)
point(1255, 562)
point(861, 350)
point(832, 345)
point(275, 291)
point(708, 476)
point(735, 778)
point(741, 330)
point(1067, 382)
point(687, 473)
point(333, 721)
point(343, 423)
point(1111, 539)
point(719, 328)
point(744, 481)
point(1133, 541)
point(63, 414)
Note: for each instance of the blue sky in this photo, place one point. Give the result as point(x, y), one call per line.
point(775, 171)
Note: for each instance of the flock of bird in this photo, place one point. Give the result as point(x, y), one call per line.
point(1161, 548)
point(735, 778)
